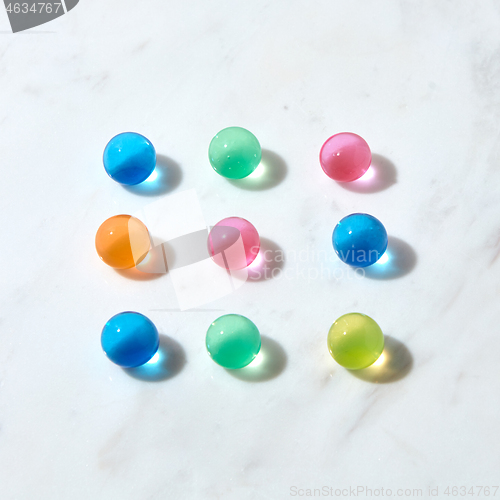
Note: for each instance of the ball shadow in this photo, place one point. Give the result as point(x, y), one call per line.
point(268, 263)
point(381, 175)
point(270, 172)
point(136, 275)
point(152, 267)
point(399, 259)
point(269, 363)
point(396, 363)
point(166, 363)
point(166, 176)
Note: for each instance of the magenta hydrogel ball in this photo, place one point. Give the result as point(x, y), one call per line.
point(233, 243)
point(345, 157)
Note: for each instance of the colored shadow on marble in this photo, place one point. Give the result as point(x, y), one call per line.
point(269, 363)
point(269, 262)
point(168, 361)
point(271, 171)
point(153, 266)
point(399, 259)
point(166, 176)
point(394, 363)
point(381, 175)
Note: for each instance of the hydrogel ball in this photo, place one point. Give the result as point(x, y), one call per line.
point(233, 341)
point(234, 153)
point(355, 341)
point(129, 158)
point(345, 157)
point(233, 243)
point(122, 241)
point(129, 339)
point(359, 240)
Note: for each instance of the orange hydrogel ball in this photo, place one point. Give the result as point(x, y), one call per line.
point(122, 241)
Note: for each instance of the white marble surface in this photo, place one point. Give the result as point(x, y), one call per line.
point(420, 82)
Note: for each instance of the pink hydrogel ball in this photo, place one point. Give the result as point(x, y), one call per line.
point(233, 243)
point(345, 157)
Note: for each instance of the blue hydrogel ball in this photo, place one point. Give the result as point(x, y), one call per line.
point(129, 158)
point(359, 240)
point(130, 339)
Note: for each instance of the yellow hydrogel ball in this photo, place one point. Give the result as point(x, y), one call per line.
point(122, 241)
point(355, 341)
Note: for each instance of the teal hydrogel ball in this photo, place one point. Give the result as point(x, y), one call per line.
point(234, 153)
point(233, 341)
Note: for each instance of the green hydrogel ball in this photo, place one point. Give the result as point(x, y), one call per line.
point(233, 341)
point(234, 153)
point(355, 341)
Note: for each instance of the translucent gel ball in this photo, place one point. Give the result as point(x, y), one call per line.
point(130, 339)
point(122, 241)
point(233, 341)
point(129, 158)
point(359, 240)
point(234, 153)
point(345, 157)
point(355, 341)
point(233, 243)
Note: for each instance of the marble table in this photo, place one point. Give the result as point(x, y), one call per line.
point(420, 82)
